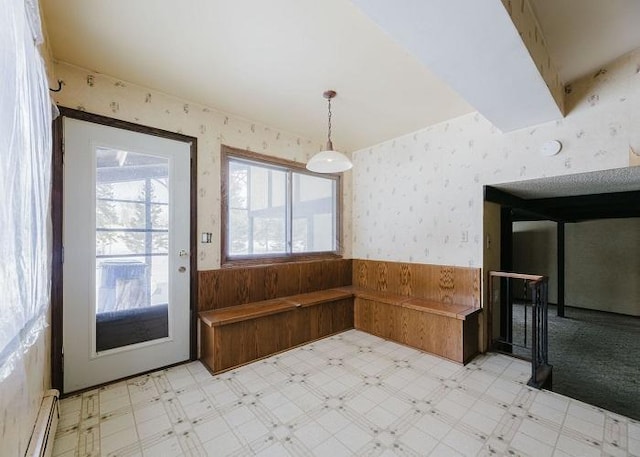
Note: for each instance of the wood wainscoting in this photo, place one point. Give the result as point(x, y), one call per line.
point(249, 313)
point(236, 286)
point(438, 283)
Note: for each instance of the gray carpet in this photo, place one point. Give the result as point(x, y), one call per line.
point(595, 356)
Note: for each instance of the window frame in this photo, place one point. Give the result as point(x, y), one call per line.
point(228, 154)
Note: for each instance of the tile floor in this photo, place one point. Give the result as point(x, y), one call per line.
point(349, 395)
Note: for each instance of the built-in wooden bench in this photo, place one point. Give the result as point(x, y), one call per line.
point(428, 307)
point(446, 330)
point(434, 308)
point(235, 335)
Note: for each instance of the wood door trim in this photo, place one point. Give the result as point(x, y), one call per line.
point(57, 217)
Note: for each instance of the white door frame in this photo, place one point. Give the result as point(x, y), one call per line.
point(57, 218)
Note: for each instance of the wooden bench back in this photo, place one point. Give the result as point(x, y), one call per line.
point(446, 284)
point(236, 286)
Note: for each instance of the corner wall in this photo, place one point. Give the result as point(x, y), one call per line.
point(419, 197)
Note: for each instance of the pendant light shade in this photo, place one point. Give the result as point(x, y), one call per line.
point(329, 161)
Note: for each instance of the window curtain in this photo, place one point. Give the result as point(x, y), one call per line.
point(25, 179)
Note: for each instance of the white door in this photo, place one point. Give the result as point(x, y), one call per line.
point(126, 259)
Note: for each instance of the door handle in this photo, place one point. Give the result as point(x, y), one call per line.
point(182, 269)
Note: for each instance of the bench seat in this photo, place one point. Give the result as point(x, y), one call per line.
point(443, 329)
point(240, 334)
point(452, 310)
point(419, 304)
point(223, 316)
point(318, 297)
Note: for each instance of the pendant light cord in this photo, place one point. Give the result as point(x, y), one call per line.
point(329, 130)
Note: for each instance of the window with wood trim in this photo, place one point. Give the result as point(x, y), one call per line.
point(276, 210)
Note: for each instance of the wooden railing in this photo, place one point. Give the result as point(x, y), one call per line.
point(534, 293)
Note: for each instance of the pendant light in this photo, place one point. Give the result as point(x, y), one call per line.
point(329, 161)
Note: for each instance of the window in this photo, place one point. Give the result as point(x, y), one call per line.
point(277, 210)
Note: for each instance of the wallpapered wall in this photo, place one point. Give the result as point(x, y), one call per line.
point(535, 251)
point(419, 198)
point(101, 94)
point(601, 270)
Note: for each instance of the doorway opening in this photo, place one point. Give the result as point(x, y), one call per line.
point(583, 234)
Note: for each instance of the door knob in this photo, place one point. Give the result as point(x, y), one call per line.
point(182, 269)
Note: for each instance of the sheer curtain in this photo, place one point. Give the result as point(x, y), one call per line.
point(25, 178)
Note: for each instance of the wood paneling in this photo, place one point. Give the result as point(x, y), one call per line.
point(430, 307)
point(233, 344)
point(470, 333)
point(442, 335)
point(232, 314)
point(237, 286)
point(443, 309)
point(445, 284)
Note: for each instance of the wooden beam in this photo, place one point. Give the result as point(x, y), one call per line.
point(531, 208)
point(631, 198)
point(495, 195)
point(560, 243)
point(577, 208)
point(506, 264)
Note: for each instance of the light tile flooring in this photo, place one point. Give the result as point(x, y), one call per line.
point(351, 394)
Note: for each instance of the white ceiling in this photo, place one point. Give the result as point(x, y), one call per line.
point(583, 35)
point(271, 61)
point(483, 59)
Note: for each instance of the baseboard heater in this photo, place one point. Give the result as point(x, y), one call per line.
point(44, 431)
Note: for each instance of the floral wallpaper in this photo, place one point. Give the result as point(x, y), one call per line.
point(419, 197)
point(526, 23)
point(101, 94)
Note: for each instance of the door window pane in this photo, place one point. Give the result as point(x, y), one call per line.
point(132, 242)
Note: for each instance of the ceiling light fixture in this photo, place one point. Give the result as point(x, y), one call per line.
point(329, 161)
